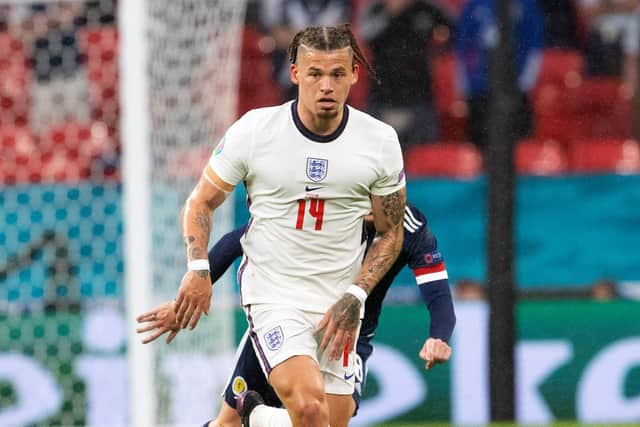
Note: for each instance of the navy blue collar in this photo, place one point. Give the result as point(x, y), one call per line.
point(314, 136)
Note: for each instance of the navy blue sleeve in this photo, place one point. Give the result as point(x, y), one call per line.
point(437, 297)
point(430, 272)
point(224, 252)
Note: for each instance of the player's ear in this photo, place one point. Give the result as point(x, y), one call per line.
point(356, 73)
point(293, 73)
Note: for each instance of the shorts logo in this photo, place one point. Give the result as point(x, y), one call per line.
point(238, 385)
point(317, 169)
point(400, 176)
point(433, 257)
point(274, 338)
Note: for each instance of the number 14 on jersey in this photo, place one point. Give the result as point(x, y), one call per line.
point(316, 210)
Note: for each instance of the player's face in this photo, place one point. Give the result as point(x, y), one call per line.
point(324, 79)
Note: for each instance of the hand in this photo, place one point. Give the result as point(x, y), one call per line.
point(341, 324)
point(194, 298)
point(160, 320)
point(435, 351)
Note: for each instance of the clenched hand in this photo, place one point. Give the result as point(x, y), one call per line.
point(435, 351)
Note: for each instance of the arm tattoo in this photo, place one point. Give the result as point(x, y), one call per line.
point(197, 227)
point(387, 245)
point(346, 312)
point(203, 220)
point(393, 206)
point(195, 253)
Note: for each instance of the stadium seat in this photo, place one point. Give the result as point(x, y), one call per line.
point(18, 154)
point(460, 160)
point(99, 46)
point(561, 67)
point(606, 108)
point(556, 96)
point(14, 81)
point(606, 155)
point(257, 87)
point(450, 104)
point(543, 157)
point(91, 139)
point(592, 108)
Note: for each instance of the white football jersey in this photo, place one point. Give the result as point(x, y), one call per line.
point(308, 195)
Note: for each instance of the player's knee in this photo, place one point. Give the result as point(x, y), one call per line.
point(310, 410)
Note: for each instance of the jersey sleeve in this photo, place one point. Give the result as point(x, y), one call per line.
point(390, 170)
point(230, 158)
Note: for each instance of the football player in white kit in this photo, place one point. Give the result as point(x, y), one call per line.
point(313, 168)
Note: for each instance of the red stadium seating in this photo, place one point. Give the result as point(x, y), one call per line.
point(450, 104)
point(560, 67)
point(18, 154)
point(90, 139)
point(100, 47)
point(544, 157)
point(460, 160)
point(14, 81)
point(556, 96)
point(605, 155)
point(592, 109)
point(257, 87)
point(606, 109)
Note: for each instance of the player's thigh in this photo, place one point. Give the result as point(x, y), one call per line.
point(296, 380)
point(227, 417)
point(280, 332)
point(341, 408)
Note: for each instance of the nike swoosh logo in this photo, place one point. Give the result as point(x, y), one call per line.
point(307, 188)
point(348, 377)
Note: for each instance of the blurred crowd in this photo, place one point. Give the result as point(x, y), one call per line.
point(576, 63)
point(58, 91)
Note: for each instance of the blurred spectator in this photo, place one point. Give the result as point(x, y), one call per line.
point(400, 34)
point(476, 36)
point(604, 290)
point(612, 34)
point(60, 80)
point(5, 12)
point(560, 23)
point(284, 18)
point(469, 289)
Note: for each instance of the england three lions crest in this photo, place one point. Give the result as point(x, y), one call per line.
point(317, 169)
point(274, 338)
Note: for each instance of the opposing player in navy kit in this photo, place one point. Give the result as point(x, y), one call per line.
point(420, 252)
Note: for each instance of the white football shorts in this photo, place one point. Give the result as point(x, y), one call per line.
point(279, 332)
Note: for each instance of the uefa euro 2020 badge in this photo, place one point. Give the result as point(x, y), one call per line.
point(274, 338)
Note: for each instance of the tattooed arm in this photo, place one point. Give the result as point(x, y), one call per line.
point(342, 318)
point(194, 295)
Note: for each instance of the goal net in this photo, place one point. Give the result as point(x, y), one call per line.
point(67, 352)
point(192, 51)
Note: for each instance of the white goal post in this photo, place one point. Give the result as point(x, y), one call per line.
point(179, 71)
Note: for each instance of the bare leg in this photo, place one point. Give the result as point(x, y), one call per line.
point(341, 408)
point(299, 385)
point(227, 417)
